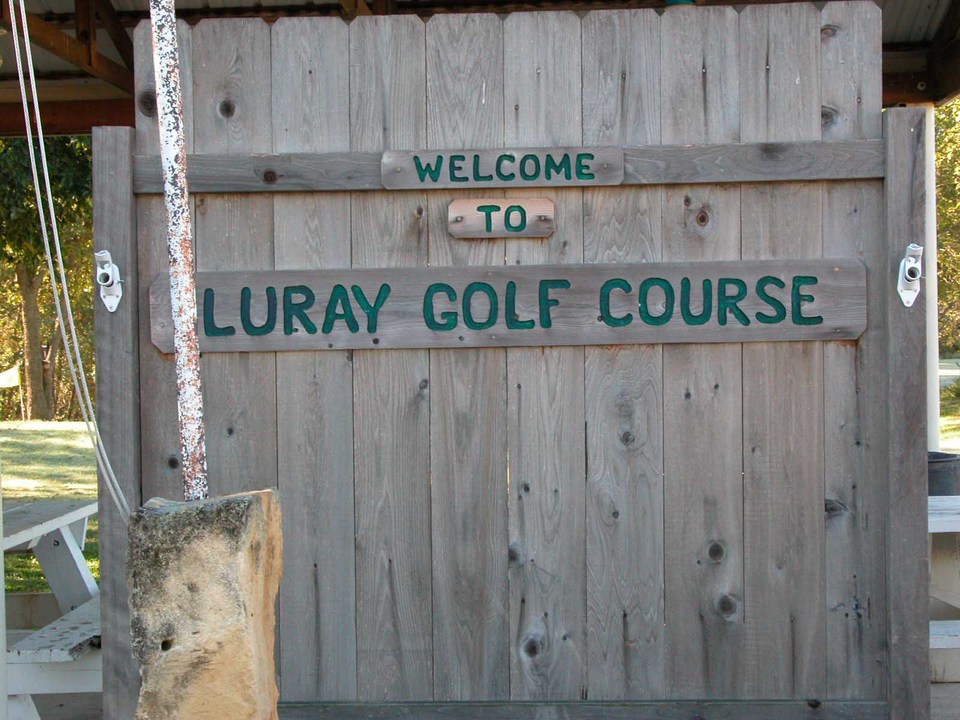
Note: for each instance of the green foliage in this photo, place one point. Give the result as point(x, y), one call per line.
point(950, 413)
point(948, 225)
point(69, 160)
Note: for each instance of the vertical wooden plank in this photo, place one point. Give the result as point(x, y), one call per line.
point(702, 387)
point(854, 456)
point(783, 390)
point(317, 617)
point(545, 404)
point(391, 388)
point(231, 87)
point(624, 510)
point(908, 580)
point(118, 406)
point(160, 440)
point(468, 396)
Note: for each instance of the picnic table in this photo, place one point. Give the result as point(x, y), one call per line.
point(943, 515)
point(64, 656)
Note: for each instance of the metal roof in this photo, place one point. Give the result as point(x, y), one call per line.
point(921, 40)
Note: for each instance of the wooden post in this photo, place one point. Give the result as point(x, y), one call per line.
point(118, 405)
point(907, 572)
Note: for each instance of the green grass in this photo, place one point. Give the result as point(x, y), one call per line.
point(949, 416)
point(43, 461)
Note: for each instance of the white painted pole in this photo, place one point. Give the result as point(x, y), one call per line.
point(183, 294)
point(930, 263)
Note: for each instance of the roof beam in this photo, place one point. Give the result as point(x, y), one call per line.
point(115, 29)
point(353, 8)
point(944, 57)
point(70, 49)
point(75, 117)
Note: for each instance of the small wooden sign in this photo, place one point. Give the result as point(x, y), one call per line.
point(501, 218)
point(522, 305)
point(538, 167)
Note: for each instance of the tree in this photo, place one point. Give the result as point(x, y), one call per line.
point(21, 248)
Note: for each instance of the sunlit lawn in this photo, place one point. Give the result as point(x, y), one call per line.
point(949, 417)
point(45, 461)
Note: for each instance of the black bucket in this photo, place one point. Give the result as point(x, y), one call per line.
point(943, 473)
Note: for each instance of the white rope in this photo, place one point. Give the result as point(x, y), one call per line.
point(68, 329)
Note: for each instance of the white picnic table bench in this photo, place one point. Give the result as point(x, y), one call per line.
point(943, 516)
point(64, 656)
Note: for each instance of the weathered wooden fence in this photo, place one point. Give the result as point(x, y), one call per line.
point(736, 521)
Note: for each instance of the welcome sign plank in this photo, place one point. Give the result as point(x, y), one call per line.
point(534, 305)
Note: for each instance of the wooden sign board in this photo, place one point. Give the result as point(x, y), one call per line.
point(532, 305)
point(500, 218)
point(538, 167)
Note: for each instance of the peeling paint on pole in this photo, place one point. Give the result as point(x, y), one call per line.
point(179, 244)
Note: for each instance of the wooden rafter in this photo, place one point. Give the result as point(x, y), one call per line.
point(75, 117)
point(73, 50)
point(353, 8)
point(944, 57)
point(113, 24)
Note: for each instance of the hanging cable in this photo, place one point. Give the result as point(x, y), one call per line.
point(68, 328)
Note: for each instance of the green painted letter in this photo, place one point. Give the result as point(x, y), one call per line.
point(779, 311)
point(371, 311)
point(668, 301)
point(449, 318)
point(547, 302)
point(339, 298)
point(510, 311)
point(705, 310)
point(454, 167)
point(210, 328)
point(583, 170)
point(536, 167)
point(605, 290)
point(468, 293)
point(728, 303)
point(506, 177)
point(488, 211)
point(293, 309)
point(798, 299)
point(516, 210)
point(269, 324)
point(477, 177)
point(425, 169)
point(688, 317)
point(553, 167)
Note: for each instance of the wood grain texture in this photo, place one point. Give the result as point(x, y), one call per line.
point(318, 640)
point(391, 389)
point(702, 386)
point(593, 711)
point(642, 165)
point(850, 90)
point(545, 403)
point(785, 613)
point(118, 406)
point(267, 172)
point(468, 396)
point(907, 570)
point(623, 402)
point(231, 80)
point(748, 162)
point(160, 440)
